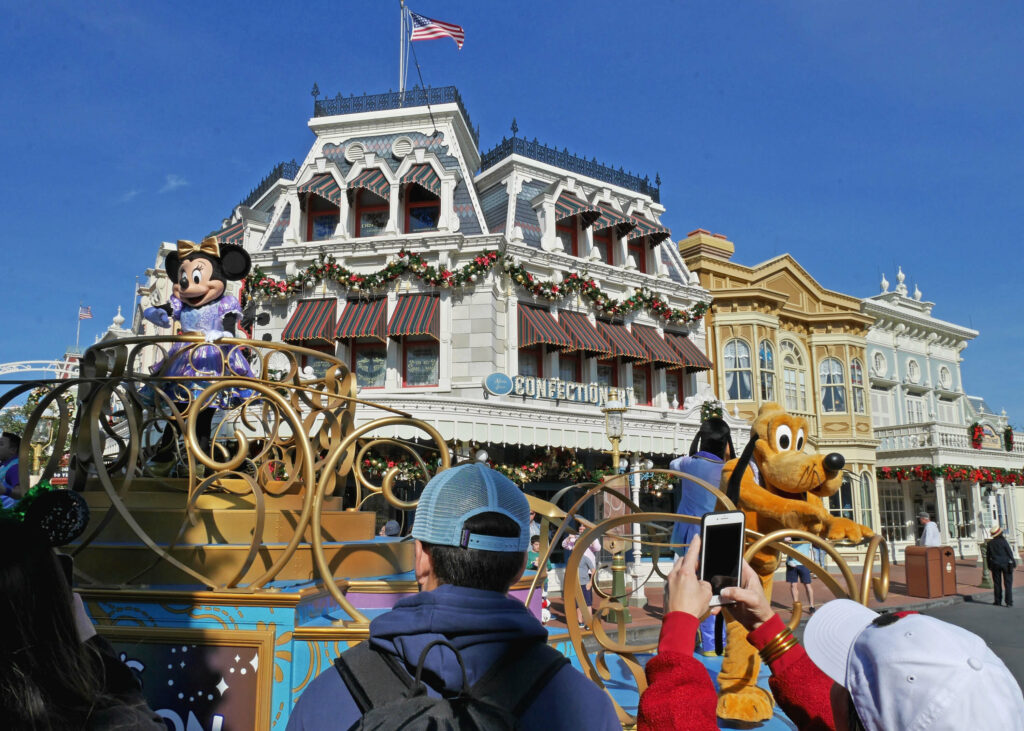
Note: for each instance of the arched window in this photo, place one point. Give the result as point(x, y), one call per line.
point(865, 499)
point(766, 367)
point(857, 385)
point(833, 388)
point(794, 377)
point(841, 504)
point(738, 380)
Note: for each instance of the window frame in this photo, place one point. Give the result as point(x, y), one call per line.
point(576, 360)
point(537, 353)
point(835, 389)
point(408, 205)
point(612, 363)
point(573, 231)
point(608, 255)
point(355, 347)
point(419, 342)
point(360, 208)
point(790, 350)
point(726, 370)
point(649, 386)
point(766, 373)
point(678, 376)
point(639, 253)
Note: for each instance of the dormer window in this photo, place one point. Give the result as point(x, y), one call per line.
point(321, 219)
point(422, 209)
point(603, 244)
point(567, 232)
point(371, 214)
point(638, 251)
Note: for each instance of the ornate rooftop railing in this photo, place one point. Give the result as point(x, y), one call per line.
point(415, 97)
point(281, 170)
point(573, 163)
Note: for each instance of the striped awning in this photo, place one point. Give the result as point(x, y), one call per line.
point(363, 319)
point(583, 335)
point(374, 181)
point(622, 342)
point(610, 217)
point(425, 177)
point(324, 186)
point(416, 314)
point(655, 231)
point(233, 234)
point(537, 326)
point(659, 352)
point(311, 322)
point(569, 205)
point(693, 359)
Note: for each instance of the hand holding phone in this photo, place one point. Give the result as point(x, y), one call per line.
point(721, 551)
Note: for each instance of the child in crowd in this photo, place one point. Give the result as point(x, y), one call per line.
point(533, 562)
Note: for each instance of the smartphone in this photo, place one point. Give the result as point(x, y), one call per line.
point(721, 551)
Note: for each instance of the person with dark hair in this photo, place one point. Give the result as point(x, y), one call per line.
point(10, 444)
point(1001, 562)
point(55, 671)
point(462, 630)
point(710, 450)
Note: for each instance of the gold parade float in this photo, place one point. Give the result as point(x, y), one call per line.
point(232, 573)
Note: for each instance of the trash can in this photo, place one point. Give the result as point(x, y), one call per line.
point(924, 571)
point(948, 571)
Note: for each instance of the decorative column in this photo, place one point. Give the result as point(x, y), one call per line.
point(940, 509)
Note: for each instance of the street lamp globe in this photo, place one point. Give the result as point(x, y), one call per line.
point(614, 425)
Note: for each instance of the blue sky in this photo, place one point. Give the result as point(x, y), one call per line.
point(855, 136)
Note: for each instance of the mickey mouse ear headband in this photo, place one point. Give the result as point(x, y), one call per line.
point(60, 515)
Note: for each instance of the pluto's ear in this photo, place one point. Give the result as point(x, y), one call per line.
point(235, 261)
point(171, 264)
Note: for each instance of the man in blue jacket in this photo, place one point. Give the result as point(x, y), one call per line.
point(472, 533)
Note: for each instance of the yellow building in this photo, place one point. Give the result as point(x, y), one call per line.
point(775, 334)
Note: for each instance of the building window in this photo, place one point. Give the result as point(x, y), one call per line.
point(879, 364)
point(642, 385)
point(318, 366)
point(957, 513)
point(321, 218)
point(881, 407)
point(371, 213)
point(845, 499)
point(913, 371)
point(567, 232)
point(570, 367)
point(857, 385)
point(865, 499)
point(608, 373)
point(675, 387)
point(639, 253)
point(766, 362)
point(833, 390)
point(421, 362)
point(531, 361)
point(737, 371)
point(422, 209)
point(794, 377)
point(603, 244)
point(370, 364)
point(892, 512)
point(915, 410)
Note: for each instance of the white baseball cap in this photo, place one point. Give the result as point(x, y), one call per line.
point(910, 672)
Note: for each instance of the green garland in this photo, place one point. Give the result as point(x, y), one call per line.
point(951, 472)
point(710, 409)
point(260, 284)
point(1008, 439)
point(18, 510)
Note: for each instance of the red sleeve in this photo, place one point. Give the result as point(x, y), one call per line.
point(680, 694)
point(799, 687)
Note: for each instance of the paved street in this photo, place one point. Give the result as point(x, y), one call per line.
point(1001, 627)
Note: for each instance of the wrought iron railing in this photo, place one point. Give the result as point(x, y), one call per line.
point(282, 170)
point(415, 97)
point(571, 162)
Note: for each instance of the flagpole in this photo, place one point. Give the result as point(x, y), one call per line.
point(78, 331)
point(401, 48)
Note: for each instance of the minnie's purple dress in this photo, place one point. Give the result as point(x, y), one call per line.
point(188, 359)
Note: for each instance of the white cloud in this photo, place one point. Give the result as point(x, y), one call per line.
point(173, 182)
point(127, 196)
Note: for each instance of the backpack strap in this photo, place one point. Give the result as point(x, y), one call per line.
point(514, 680)
point(373, 678)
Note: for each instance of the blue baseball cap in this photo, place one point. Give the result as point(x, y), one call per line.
point(459, 493)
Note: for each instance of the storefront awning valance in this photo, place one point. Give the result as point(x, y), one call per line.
point(622, 342)
point(311, 322)
point(655, 231)
point(324, 186)
point(659, 352)
point(425, 177)
point(610, 217)
point(416, 314)
point(374, 181)
point(583, 335)
point(692, 358)
point(233, 234)
point(363, 319)
point(569, 205)
point(537, 326)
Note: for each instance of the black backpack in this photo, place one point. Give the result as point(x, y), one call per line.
point(389, 699)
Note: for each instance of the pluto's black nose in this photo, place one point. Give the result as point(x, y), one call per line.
point(834, 461)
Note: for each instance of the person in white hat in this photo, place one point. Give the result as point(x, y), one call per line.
point(910, 672)
point(1001, 562)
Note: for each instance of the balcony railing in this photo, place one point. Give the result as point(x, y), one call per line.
point(573, 163)
point(415, 97)
point(933, 435)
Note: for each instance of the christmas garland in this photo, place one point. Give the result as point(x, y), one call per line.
point(1008, 439)
point(19, 509)
point(710, 409)
point(259, 284)
point(953, 473)
point(977, 433)
point(36, 395)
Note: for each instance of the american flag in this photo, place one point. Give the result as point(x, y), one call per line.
point(425, 29)
point(84, 313)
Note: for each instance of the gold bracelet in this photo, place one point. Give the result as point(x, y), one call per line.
point(780, 651)
point(775, 641)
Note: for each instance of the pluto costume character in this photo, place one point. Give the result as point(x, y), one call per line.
point(788, 496)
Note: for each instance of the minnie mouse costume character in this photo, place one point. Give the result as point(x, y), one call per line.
point(200, 305)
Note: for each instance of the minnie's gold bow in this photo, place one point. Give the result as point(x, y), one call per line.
point(210, 245)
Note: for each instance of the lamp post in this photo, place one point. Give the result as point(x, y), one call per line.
point(614, 428)
point(42, 437)
point(634, 483)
